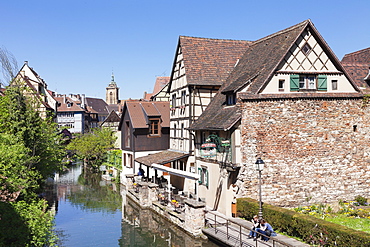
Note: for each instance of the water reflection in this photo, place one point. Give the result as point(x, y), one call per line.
point(92, 212)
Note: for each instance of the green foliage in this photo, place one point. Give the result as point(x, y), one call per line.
point(15, 177)
point(114, 159)
point(352, 209)
point(30, 152)
point(313, 230)
point(362, 201)
point(317, 210)
point(360, 224)
point(26, 224)
point(93, 146)
point(20, 119)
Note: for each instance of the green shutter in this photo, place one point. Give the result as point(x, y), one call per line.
point(206, 176)
point(294, 82)
point(322, 83)
point(200, 181)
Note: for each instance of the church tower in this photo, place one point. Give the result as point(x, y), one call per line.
point(112, 93)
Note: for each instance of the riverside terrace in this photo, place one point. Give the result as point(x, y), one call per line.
point(191, 215)
point(181, 208)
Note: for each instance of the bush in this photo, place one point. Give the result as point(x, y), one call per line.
point(26, 224)
point(312, 230)
point(362, 201)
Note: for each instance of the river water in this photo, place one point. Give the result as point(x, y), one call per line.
point(93, 212)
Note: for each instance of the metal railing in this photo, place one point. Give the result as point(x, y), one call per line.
point(239, 233)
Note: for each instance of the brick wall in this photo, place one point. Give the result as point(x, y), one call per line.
point(314, 150)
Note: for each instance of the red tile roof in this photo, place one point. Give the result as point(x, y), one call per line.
point(209, 61)
point(357, 65)
point(160, 83)
point(139, 111)
point(63, 105)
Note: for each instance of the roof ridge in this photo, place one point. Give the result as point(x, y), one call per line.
point(357, 52)
point(193, 37)
point(303, 23)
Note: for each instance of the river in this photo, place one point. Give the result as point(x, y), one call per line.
point(94, 212)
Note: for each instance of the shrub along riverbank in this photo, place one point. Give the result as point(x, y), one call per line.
point(312, 230)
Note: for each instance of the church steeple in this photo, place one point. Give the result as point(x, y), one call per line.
point(112, 82)
point(112, 92)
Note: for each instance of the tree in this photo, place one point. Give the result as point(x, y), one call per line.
point(9, 65)
point(30, 152)
point(19, 118)
point(93, 146)
point(15, 177)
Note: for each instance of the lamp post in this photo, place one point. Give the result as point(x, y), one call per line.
point(259, 167)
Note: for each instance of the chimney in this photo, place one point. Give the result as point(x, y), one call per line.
point(83, 101)
point(64, 99)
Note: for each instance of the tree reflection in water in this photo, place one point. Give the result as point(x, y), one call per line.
point(89, 202)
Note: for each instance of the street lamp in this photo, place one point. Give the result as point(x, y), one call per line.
point(259, 167)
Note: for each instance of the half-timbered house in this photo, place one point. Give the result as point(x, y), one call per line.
point(145, 128)
point(289, 101)
point(199, 69)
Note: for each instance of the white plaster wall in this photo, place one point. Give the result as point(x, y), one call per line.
point(344, 86)
point(78, 123)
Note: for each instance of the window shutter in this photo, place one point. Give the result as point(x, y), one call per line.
point(322, 83)
point(200, 181)
point(294, 82)
point(206, 178)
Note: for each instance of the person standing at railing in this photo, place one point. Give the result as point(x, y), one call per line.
point(265, 229)
point(256, 224)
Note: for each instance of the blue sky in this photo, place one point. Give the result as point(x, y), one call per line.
point(74, 45)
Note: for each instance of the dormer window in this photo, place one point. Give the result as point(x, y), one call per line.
point(154, 127)
point(231, 99)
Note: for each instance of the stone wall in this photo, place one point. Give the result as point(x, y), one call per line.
point(315, 151)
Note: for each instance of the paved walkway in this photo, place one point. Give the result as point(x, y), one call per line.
point(235, 231)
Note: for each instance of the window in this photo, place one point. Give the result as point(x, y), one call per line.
point(182, 166)
point(173, 102)
point(183, 98)
point(306, 48)
point(231, 99)
point(307, 82)
point(203, 176)
point(129, 161)
point(281, 85)
point(128, 134)
point(334, 84)
point(304, 82)
point(203, 137)
point(174, 131)
point(182, 130)
point(154, 127)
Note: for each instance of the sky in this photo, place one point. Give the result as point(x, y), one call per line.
point(76, 45)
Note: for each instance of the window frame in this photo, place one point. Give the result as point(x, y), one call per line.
point(128, 135)
point(203, 176)
point(154, 127)
point(305, 80)
point(281, 85)
point(306, 48)
point(231, 99)
point(334, 84)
